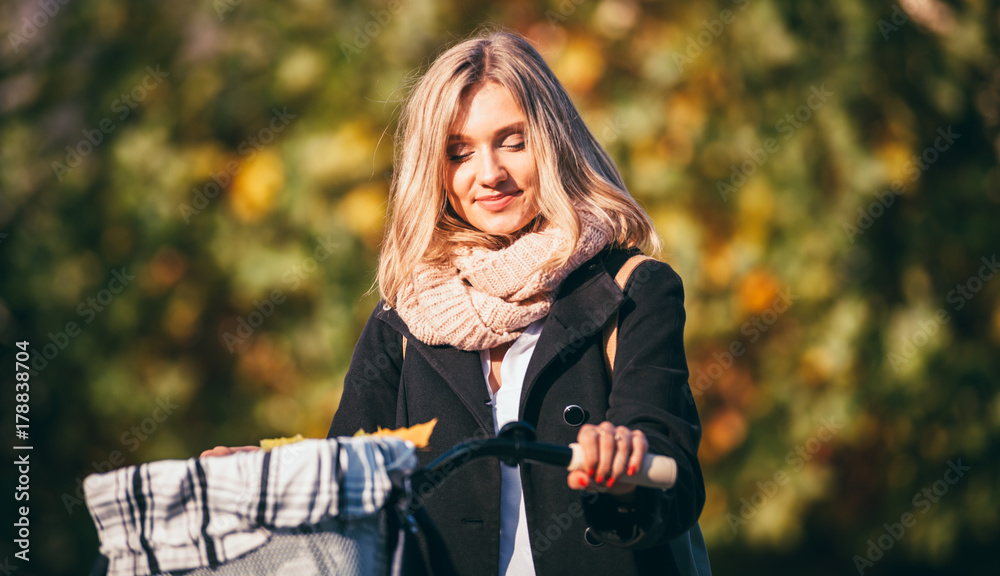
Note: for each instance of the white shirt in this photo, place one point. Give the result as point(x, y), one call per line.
point(515, 547)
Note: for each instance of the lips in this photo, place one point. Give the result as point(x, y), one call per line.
point(497, 202)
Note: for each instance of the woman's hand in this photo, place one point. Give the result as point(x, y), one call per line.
point(227, 450)
point(609, 453)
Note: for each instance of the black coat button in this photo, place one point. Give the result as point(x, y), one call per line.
point(591, 538)
point(574, 415)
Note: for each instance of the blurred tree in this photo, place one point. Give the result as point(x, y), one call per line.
point(193, 195)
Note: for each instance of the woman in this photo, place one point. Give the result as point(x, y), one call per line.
point(508, 223)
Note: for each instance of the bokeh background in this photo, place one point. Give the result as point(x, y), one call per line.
point(193, 195)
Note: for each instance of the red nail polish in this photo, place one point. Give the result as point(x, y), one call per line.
point(600, 479)
point(583, 482)
point(590, 472)
point(631, 470)
point(611, 483)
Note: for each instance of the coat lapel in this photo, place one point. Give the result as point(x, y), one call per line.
point(463, 371)
point(588, 298)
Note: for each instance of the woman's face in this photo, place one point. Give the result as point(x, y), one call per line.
point(492, 180)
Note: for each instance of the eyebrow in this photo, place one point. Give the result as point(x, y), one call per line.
point(505, 131)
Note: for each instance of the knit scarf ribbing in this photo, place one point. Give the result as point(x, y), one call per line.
point(488, 297)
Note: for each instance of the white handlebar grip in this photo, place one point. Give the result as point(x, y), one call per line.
point(656, 471)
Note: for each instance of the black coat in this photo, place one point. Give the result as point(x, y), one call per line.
point(650, 392)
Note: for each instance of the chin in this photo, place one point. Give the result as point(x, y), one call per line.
point(507, 228)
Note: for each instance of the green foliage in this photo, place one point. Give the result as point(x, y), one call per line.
point(193, 195)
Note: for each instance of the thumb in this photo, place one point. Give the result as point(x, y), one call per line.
point(578, 480)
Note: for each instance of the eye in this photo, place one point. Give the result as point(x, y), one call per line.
point(514, 142)
point(458, 153)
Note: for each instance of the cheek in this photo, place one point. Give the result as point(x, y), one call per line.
point(457, 181)
point(527, 172)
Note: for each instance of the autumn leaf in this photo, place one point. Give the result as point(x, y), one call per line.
point(419, 434)
point(268, 444)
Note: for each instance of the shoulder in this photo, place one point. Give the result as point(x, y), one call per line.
point(385, 318)
point(384, 329)
point(650, 276)
point(655, 274)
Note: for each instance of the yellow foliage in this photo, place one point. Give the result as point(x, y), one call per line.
point(894, 157)
point(269, 443)
point(419, 434)
point(580, 65)
point(757, 291)
point(331, 157)
point(255, 187)
point(363, 211)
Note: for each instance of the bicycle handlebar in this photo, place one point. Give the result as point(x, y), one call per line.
point(516, 443)
point(656, 471)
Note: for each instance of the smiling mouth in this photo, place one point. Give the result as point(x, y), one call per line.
point(497, 202)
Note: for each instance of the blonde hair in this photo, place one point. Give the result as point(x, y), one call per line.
point(574, 172)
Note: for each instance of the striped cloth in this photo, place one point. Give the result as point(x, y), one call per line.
point(186, 514)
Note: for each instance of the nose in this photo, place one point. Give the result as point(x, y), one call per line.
point(491, 171)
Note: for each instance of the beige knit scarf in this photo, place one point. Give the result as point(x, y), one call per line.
point(488, 297)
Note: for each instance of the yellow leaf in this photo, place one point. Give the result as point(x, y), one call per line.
point(268, 443)
point(419, 434)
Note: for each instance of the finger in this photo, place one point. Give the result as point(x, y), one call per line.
point(578, 480)
point(623, 449)
point(587, 438)
point(217, 451)
point(227, 450)
point(606, 444)
point(640, 447)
